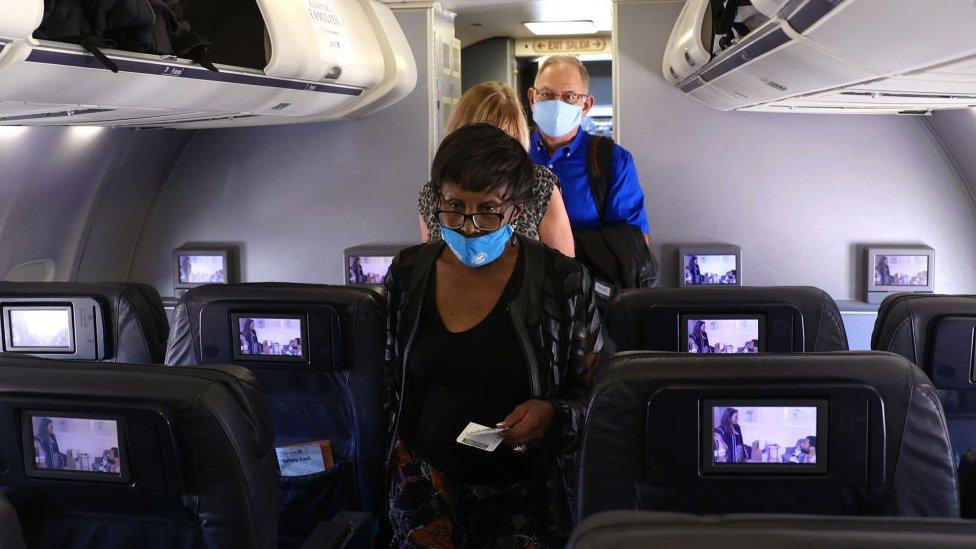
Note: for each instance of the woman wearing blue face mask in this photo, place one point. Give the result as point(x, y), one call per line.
point(543, 214)
point(493, 328)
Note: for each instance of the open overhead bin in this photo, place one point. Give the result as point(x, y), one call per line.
point(252, 62)
point(843, 56)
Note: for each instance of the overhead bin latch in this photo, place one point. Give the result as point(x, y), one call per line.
point(333, 73)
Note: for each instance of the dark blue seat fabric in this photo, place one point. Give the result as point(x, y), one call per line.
point(337, 398)
point(638, 455)
point(195, 444)
point(639, 530)
point(908, 324)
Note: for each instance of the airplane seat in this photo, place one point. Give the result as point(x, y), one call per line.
point(137, 455)
point(869, 431)
point(10, 534)
point(131, 322)
point(637, 530)
point(332, 388)
point(936, 333)
point(789, 319)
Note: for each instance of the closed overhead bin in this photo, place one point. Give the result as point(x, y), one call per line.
point(874, 56)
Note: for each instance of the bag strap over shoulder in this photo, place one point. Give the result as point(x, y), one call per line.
point(600, 171)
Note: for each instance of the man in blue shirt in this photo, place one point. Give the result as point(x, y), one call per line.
point(559, 100)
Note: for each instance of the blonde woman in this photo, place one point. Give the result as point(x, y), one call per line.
point(544, 218)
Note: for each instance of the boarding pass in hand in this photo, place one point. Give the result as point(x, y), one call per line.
point(481, 437)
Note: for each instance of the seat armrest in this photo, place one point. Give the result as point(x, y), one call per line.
point(345, 529)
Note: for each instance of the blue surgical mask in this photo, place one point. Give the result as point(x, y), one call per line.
point(477, 251)
point(556, 118)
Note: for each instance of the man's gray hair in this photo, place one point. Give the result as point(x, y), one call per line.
point(568, 60)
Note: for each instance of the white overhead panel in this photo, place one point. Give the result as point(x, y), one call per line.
point(481, 19)
point(326, 59)
point(863, 56)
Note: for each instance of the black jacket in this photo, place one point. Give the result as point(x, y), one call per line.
point(733, 442)
point(554, 316)
point(617, 255)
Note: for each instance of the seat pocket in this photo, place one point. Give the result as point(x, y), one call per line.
point(306, 501)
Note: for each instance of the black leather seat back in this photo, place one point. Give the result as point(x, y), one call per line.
point(133, 312)
point(639, 530)
point(10, 535)
point(337, 396)
point(887, 455)
point(198, 468)
point(936, 333)
point(811, 314)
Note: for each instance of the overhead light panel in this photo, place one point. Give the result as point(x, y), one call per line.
point(555, 28)
point(12, 131)
point(86, 131)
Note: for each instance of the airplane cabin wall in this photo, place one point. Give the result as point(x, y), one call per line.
point(957, 132)
point(799, 193)
point(118, 218)
point(492, 59)
point(52, 182)
point(294, 197)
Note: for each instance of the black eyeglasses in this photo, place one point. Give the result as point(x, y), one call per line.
point(482, 221)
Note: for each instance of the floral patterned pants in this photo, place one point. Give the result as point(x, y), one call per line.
point(429, 509)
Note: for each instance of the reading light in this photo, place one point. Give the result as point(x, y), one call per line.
point(553, 28)
point(86, 131)
point(12, 131)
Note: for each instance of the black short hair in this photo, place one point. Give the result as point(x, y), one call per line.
point(813, 441)
point(480, 158)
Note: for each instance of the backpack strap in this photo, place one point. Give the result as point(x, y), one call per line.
point(600, 171)
point(92, 45)
point(726, 25)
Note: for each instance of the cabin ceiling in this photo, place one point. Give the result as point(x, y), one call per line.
point(481, 19)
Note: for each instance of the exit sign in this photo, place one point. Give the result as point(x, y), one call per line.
point(574, 45)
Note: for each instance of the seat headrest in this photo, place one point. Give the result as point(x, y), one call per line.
point(885, 428)
point(822, 325)
point(906, 323)
point(134, 313)
point(361, 314)
point(202, 436)
point(632, 529)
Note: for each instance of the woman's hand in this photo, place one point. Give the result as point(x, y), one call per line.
point(528, 422)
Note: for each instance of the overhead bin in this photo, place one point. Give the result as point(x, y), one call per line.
point(296, 61)
point(876, 56)
point(20, 23)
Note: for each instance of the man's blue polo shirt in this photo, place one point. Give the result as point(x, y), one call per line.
point(625, 201)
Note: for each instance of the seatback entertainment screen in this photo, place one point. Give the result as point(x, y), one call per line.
point(42, 328)
point(704, 269)
point(902, 270)
point(202, 269)
point(74, 447)
point(270, 337)
point(747, 436)
point(722, 335)
point(366, 269)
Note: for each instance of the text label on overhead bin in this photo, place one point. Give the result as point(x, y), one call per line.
point(529, 47)
point(328, 27)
